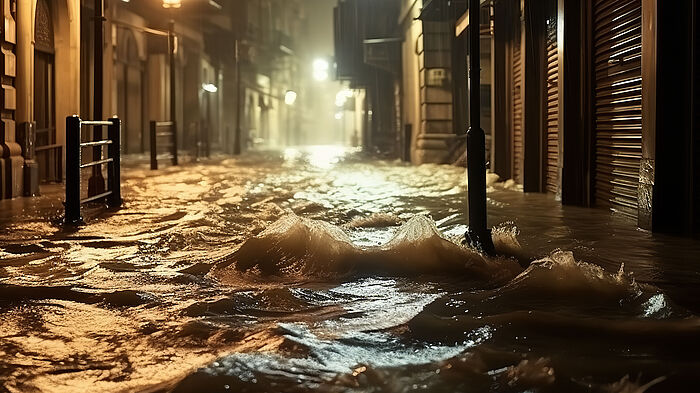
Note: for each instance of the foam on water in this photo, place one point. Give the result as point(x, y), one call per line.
point(298, 247)
point(560, 272)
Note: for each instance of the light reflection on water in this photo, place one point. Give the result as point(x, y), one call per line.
point(132, 300)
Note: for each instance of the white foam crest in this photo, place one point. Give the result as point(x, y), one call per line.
point(304, 248)
point(560, 271)
point(505, 239)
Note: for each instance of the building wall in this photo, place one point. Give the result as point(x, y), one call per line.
point(18, 67)
point(10, 151)
point(136, 75)
point(410, 60)
point(426, 87)
point(603, 108)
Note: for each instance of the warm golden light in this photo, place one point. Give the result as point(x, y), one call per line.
point(172, 3)
point(290, 97)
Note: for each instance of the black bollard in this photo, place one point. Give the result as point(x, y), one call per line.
point(73, 162)
point(154, 146)
point(173, 149)
point(478, 235)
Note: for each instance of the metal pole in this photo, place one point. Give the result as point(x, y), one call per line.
point(173, 107)
point(238, 132)
point(478, 235)
point(154, 147)
point(96, 184)
point(114, 200)
point(73, 161)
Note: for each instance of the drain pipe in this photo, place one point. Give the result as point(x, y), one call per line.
point(478, 235)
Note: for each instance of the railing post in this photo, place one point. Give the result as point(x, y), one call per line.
point(173, 129)
point(73, 162)
point(114, 200)
point(154, 147)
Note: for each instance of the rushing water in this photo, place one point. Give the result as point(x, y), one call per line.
point(318, 270)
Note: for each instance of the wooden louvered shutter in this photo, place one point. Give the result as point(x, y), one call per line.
point(696, 164)
point(517, 116)
point(618, 103)
point(551, 123)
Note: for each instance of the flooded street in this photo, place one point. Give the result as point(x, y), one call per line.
point(316, 269)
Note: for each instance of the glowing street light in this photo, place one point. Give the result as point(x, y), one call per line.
point(320, 69)
point(342, 97)
point(209, 87)
point(172, 48)
point(172, 3)
point(290, 97)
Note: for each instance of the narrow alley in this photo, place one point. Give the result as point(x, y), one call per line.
point(350, 196)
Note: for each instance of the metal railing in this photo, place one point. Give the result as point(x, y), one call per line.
point(49, 154)
point(74, 165)
point(163, 129)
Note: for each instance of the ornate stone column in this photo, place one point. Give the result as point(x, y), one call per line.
point(26, 128)
point(11, 160)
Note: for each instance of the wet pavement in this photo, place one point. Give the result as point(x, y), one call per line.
point(317, 269)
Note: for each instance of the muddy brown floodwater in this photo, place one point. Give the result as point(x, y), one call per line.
point(316, 269)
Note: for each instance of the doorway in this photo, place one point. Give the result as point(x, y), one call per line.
point(48, 151)
point(129, 82)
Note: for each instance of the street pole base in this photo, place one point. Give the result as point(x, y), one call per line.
point(480, 241)
point(115, 205)
point(73, 223)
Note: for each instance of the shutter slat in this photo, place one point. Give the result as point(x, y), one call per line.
point(618, 104)
point(517, 126)
point(551, 121)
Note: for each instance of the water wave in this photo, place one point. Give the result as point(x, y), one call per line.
point(303, 248)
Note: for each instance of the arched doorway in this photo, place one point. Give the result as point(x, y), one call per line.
point(128, 71)
point(48, 151)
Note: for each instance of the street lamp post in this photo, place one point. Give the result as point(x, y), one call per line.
point(478, 235)
point(96, 183)
point(172, 5)
point(171, 60)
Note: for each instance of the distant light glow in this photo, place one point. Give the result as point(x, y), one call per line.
point(290, 97)
point(321, 64)
point(342, 97)
point(210, 87)
point(338, 115)
point(172, 3)
point(320, 69)
point(292, 154)
point(325, 157)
